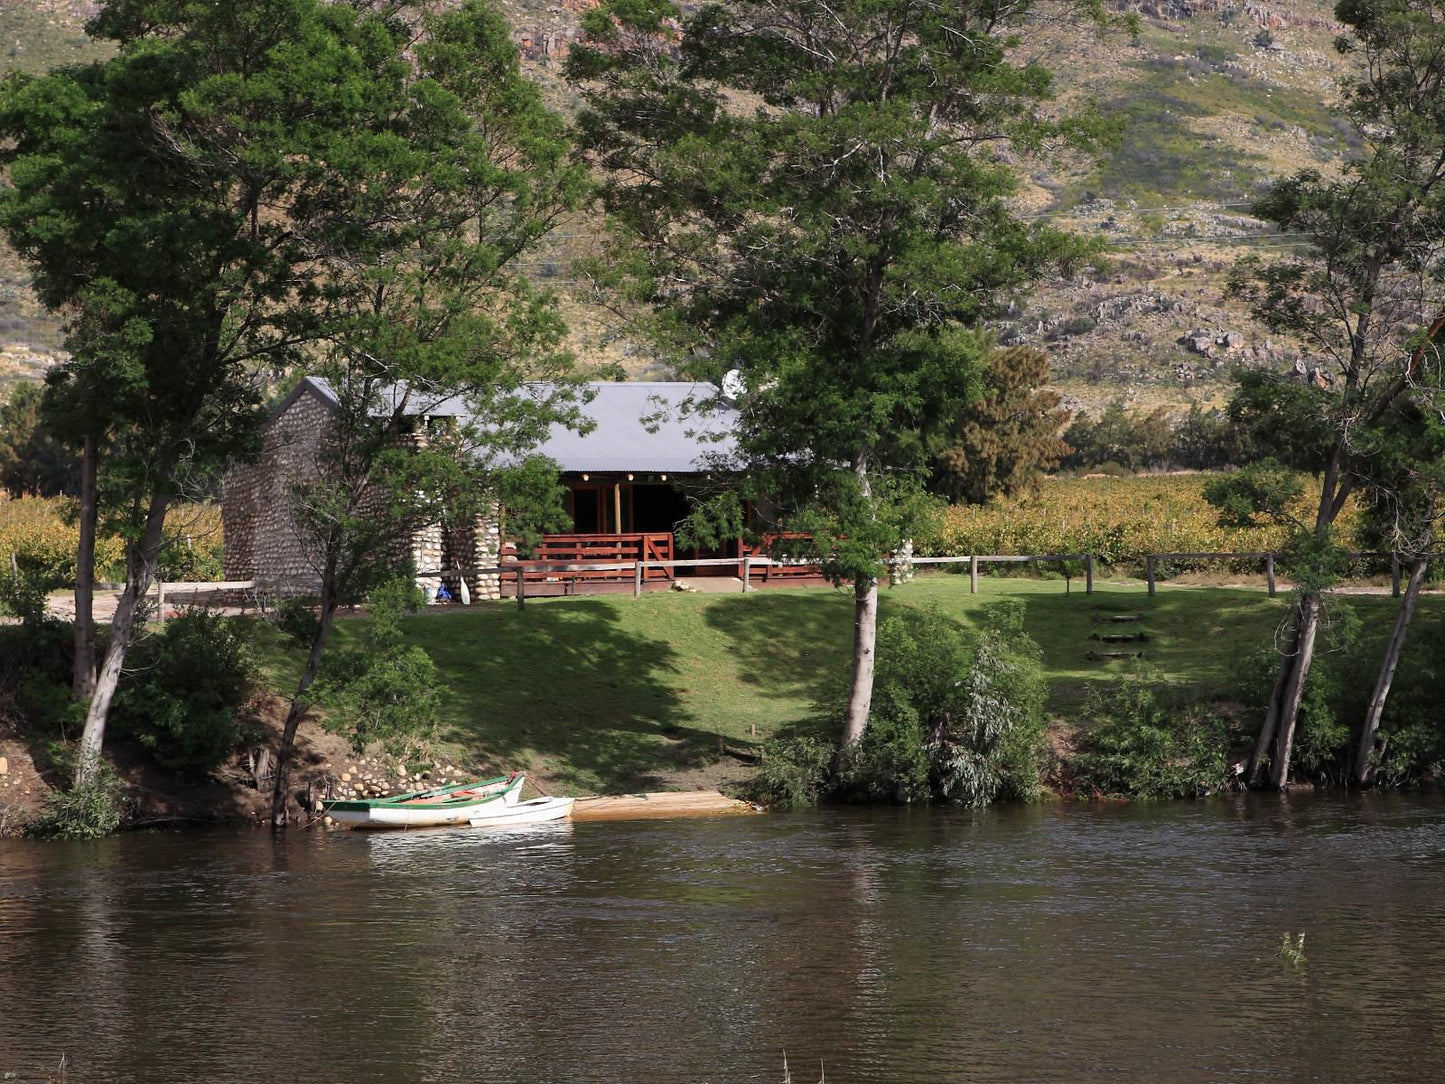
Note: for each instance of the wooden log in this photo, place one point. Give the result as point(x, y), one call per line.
point(616, 807)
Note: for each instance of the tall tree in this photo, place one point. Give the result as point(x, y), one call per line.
point(164, 201)
point(1005, 439)
point(1404, 497)
point(428, 313)
point(1362, 298)
point(31, 459)
point(817, 199)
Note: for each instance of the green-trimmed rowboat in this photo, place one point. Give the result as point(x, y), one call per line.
point(456, 804)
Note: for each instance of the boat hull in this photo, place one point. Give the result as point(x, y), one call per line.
point(537, 811)
point(428, 809)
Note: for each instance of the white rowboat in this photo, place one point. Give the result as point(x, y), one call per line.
point(537, 811)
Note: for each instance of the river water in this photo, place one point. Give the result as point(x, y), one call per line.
point(1047, 943)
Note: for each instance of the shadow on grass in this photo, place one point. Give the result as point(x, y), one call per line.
point(791, 646)
point(566, 685)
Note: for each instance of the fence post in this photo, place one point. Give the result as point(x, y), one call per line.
point(1088, 573)
point(747, 574)
point(160, 600)
point(1395, 574)
point(637, 579)
point(973, 575)
point(1149, 573)
point(1269, 572)
point(521, 587)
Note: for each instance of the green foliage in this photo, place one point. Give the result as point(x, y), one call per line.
point(1134, 442)
point(1264, 492)
point(794, 771)
point(1141, 742)
point(953, 719)
point(88, 810)
point(191, 681)
point(889, 763)
point(384, 689)
point(841, 247)
point(1000, 443)
point(297, 620)
point(31, 460)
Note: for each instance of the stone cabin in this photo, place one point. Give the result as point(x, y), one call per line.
point(626, 480)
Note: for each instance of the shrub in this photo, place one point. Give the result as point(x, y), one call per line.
point(1142, 743)
point(794, 772)
point(193, 680)
point(87, 811)
point(951, 720)
point(383, 690)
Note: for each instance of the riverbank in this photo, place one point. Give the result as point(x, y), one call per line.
point(678, 691)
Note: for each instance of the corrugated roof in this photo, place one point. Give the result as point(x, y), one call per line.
point(653, 426)
point(646, 426)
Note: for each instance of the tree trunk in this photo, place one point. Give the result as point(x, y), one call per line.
point(1271, 719)
point(1293, 689)
point(1387, 671)
point(82, 681)
point(299, 703)
point(141, 566)
point(865, 630)
point(865, 636)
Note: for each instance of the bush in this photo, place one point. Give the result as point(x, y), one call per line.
point(1142, 743)
point(193, 680)
point(794, 772)
point(383, 690)
point(88, 811)
point(952, 719)
point(993, 747)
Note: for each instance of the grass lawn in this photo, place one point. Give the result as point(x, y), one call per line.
point(612, 692)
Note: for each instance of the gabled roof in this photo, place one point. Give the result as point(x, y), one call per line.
point(653, 426)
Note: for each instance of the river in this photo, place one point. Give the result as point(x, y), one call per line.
point(1046, 943)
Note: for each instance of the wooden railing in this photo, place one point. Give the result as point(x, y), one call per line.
point(772, 570)
point(564, 558)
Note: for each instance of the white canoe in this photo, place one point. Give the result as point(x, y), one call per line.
point(454, 805)
point(537, 811)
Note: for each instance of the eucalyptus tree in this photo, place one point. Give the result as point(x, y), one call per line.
point(1363, 297)
point(817, 197)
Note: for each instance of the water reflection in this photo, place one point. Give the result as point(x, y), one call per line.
point(1043, 943)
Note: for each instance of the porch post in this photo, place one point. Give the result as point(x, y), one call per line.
point(617, 507)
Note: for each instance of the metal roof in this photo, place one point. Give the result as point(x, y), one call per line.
point(652, 426)
point(646, 426)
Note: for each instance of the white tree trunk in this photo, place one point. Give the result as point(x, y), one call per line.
point(865, 637)
point(1387, 671)
point(140, 571)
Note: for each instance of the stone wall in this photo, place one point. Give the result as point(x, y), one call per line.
point(262, 540)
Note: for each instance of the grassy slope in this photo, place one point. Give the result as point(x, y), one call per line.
point(612, 692)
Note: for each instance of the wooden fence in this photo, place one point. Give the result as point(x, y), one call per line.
point(1151, 562)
